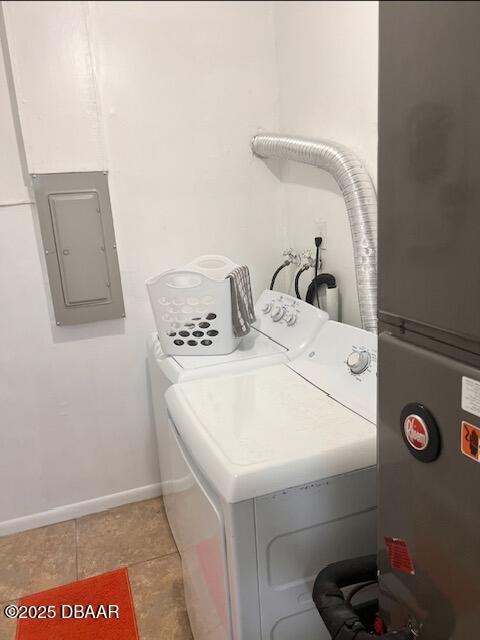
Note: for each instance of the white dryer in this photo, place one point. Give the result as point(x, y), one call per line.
point(284, 328)
point(277, 469)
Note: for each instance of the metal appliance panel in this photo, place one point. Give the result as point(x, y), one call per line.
point(299, 531)
point(429, 167)
point(78, 237)
point(195, 517)
point(433, 506)
point(80, 247)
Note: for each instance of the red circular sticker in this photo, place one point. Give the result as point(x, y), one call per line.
point(416, 432)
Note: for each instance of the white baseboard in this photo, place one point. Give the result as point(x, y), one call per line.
point(79, 509)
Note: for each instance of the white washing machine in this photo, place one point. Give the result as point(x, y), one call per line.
point(284, 328)
point(278, 480)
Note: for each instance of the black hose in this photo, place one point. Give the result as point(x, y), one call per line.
point(277, 271)
point(359, 588)
point(338, 615)
point(297, 278)
point(323, 278)
point(318, 242)
point(316, 276)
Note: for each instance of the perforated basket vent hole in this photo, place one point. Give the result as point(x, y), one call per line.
point(195, 329)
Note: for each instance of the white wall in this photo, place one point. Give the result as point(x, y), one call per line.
point(327, 61)
point(184, 86)
point(179, 90)
point(55, 86)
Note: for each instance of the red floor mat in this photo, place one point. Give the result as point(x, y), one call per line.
point(114, 623)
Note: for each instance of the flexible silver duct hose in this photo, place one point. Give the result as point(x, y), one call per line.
point(360, 200)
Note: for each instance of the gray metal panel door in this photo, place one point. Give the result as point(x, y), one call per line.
point(80, 247)
point(433, 506)
point(78, 238)
point(429, 165)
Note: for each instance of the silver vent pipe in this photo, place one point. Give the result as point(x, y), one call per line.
point(360, 199)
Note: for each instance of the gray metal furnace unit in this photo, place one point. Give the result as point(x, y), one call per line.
point(429, 311)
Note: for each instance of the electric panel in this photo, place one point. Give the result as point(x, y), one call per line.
point(79, 244)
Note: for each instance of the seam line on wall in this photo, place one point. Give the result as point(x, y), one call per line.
point(13, 90)
point(89, 29)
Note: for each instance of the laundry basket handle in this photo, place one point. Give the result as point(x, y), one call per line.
point(213, 266)
point(179, 279)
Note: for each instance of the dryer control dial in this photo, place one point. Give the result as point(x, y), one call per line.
point(277, 313)
point(358, 361)
point(267, 307)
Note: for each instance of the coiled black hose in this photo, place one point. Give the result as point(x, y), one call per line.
point(318, 242)
point(297, 278)
point(322, 278)
point(339, 616)
point(277, 271)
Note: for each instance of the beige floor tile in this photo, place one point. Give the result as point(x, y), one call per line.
point(36, 560)
point(8, 627)
point(123, 536)
point(157, 590)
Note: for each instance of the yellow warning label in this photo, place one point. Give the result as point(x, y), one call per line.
point(470, 441)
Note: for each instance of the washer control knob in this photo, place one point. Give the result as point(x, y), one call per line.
point(267, 307)
point(290, 319)
point(277, 313)
point(358, 361)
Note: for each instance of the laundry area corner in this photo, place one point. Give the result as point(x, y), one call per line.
point(240, 361)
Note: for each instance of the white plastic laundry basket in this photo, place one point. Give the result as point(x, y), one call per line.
point(192, 308)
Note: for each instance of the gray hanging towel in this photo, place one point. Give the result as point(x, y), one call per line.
point(243, 312)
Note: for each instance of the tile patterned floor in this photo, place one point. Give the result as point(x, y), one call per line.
point(136, 536)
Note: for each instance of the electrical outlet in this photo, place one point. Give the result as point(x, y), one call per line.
point(321, 230)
